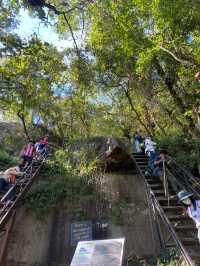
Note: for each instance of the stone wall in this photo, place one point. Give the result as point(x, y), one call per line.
point(47, 242)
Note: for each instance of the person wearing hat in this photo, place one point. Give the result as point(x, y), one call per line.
point(192, 207)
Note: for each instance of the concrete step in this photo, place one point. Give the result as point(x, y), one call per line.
point(143, 166)
point(195, 255)
point(164, 201)
point(156, 186)
point(172, 208)
point(152, 180)
point(177, 217)
point(189, 241)
point(183, 228)
point(139, 163)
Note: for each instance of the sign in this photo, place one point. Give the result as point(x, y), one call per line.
point(81, 231)
point(99, 253)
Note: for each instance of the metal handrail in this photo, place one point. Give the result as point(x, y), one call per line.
point(164, 218)
point(186, 179)
point(156, 206)
point(20, 188)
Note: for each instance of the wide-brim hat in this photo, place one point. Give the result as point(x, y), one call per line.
point(184, 195)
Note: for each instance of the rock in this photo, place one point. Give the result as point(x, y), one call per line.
point(111, 151)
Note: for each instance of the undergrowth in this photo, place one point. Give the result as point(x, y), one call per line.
point(6, 160)
point(61, 182)
point(185, 151)
point(167, 257)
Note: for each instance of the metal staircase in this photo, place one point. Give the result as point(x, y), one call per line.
point(166, 208)
point(10, 201)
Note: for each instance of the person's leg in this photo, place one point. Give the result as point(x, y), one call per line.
point(137, 146)
point(26, 161)
point(29, 160)
point(3, 184)
point(23, 157)
point(151, 160)
point(158, 173)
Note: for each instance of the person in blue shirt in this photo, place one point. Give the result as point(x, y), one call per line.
point(158, 162)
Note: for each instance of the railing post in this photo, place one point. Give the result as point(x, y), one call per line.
point(165, 182)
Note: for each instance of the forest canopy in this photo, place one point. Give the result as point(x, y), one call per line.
point(136, 68)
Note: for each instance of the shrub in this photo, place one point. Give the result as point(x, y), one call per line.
point(6, 160)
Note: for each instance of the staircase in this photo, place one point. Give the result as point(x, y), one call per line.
point(182, 230)
point(10, 200)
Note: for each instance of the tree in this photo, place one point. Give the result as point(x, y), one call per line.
point(29, 79)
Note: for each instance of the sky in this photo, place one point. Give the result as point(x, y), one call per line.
point(28, 26)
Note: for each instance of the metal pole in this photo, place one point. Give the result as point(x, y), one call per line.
point(6, 238)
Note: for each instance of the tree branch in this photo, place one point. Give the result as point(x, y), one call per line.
point(72, 34)
point(182, 61)
point(58, 12)
point(21, 117)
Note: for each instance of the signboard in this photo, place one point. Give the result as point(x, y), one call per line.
point(99, 253)
point(81, 231)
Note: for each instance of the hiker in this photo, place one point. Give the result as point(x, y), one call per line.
point(192, 207)
point(157, 164)
point(149, 146)
point(27, 153)
point(41, 145)
point(137, 142)
point(9, 176)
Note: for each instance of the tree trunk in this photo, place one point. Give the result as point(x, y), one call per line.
point(148, 118)
point(21, 117)
point(134, 110)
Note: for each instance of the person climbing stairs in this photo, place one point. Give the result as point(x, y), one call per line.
point(182, 230)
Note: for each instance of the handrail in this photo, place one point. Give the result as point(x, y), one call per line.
point(165, 182)
point(164, 218)
point(186, 179)
point(20, 188)
point(156, 206)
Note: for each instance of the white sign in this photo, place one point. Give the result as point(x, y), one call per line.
point(99, 253)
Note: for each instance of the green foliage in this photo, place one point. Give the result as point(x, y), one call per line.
point(48, 194)
point(63, 182)
point(135, 70)
point(167, 257)
point(186, 151)
point(6, 160)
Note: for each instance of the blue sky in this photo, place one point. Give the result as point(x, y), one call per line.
point(28, 26)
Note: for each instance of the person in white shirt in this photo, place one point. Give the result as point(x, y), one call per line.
point(192, 207)
point(149, 146)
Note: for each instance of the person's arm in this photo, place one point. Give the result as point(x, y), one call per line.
point(157, 161)
point(153, 143)
point(184, 212)
point(13, 172)
point(34, 151)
